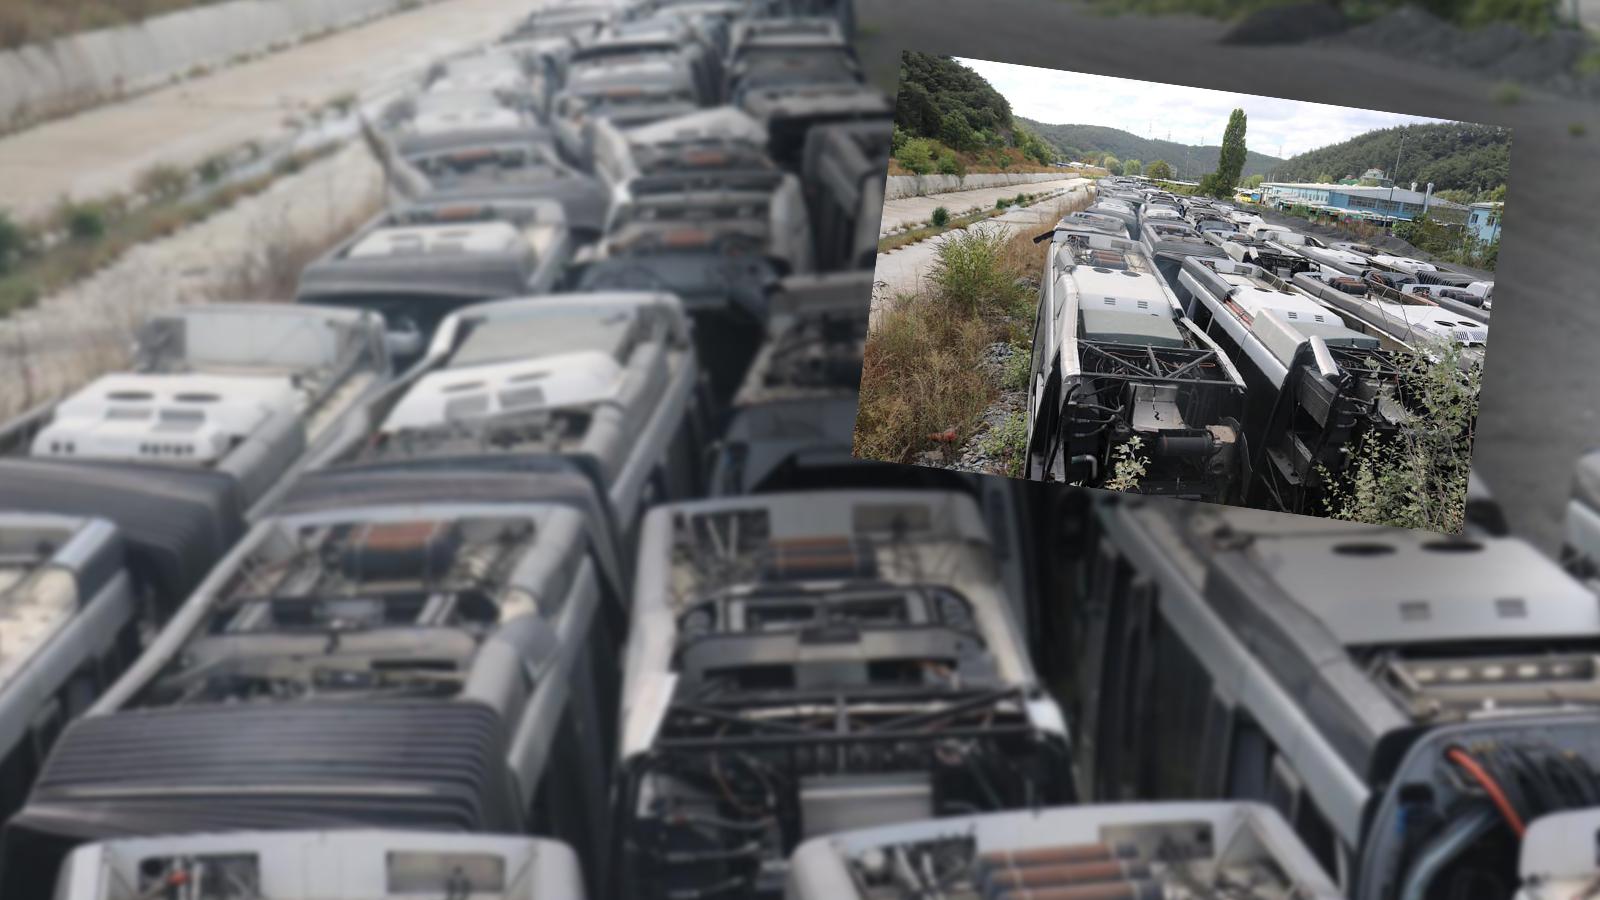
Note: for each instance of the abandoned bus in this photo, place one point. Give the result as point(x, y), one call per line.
point(1410, 321)
point(841, 172)
point(1119, 373)
point(1315, 387)
point(707, 142)
point(805, 663)
point(418, 264)
point(481, 609)
point(1558, 860)
point(1130, 851)
point(720, 249)
point(355, 864)
point(607, 380)
point(789, 112)
point(1407, 701)
point(245, 389)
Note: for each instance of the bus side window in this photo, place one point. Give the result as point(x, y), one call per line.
point(1180, 692)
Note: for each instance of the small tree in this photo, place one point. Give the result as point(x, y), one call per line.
point(916, 155)
point(1230, 161)
point(1110, 163)
point(1159, 170)
point(1254, 181)
point(951, 164)
point(1132, 167)
point(1325, 178)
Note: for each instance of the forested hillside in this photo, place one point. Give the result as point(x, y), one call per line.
point(1455, 156)
point(1188, 163)
point(945, 106)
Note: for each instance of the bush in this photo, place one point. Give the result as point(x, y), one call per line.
point(941, 216)
point(13, 243)
point(969, 273)
point(916, 155)
point(951, 164)
point(85, 221)
point(1419, 478)
point(1020, 199)
point(1002, 203)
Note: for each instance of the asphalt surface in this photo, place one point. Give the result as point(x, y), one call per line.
point(1540, 382)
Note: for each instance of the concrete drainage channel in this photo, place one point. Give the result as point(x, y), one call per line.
point(86, 329)
point(76, 72)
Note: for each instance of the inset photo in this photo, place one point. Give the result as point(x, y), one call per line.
point(1169, 290)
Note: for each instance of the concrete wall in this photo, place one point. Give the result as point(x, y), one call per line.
point(922, 185)
point(76, 72)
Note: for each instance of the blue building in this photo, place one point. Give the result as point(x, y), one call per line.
point(1372, 202)
point(1483, 220)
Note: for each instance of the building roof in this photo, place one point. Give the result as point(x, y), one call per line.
point(1400, 195)
point(1488, 205)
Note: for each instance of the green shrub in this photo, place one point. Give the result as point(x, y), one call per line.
point(1002, 203)
point(969, 272)
point(1014, 377)
point(941, 216)
point(1418, 479)
point(85, 221)
point(916, 155)
point(951, 164)
point(13, 243)
point(1021, 199)
point(163, 182)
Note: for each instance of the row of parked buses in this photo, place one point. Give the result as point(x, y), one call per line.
point(1246, 360)
point(525, 557)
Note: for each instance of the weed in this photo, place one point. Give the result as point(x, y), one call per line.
point(1127, 466)
point(1018, 366)
point(1008, 443)
point(941, 217)
point(1002, 203)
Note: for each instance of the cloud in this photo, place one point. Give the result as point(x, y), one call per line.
point(1187, 115)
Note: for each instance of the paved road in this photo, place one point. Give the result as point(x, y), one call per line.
point(901, 271)
point(104, 150)
point(916, 210)
point(1541, 383)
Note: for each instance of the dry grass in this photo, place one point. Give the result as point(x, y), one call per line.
point(922, 375)
point(32, 21)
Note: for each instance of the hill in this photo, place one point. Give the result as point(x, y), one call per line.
point(945, 102)
point(1188, 162)
point(1455, 156)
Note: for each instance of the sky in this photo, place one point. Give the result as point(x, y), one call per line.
point(1187, 115)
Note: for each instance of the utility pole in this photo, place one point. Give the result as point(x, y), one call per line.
point(1396, 173)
